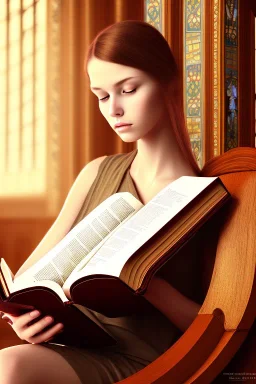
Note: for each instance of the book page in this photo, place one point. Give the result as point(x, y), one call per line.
point(115, 252)
point(43, 283)
point(8, 279)
point(83, 240)
point(7, 274)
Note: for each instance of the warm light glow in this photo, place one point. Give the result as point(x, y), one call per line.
point(23, 98)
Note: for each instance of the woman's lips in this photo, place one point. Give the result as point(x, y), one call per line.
point(122, 128)
point(121, 124)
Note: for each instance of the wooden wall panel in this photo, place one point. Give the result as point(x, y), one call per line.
point(19, 237)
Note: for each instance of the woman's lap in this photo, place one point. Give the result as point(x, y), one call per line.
point(108, 365)
point(105, 365)
point(98, 367)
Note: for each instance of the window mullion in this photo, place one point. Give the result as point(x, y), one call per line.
point(34, 88)
point(21, 86)
point(7, 85)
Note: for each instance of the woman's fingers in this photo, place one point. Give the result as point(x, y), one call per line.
point(33, 333)
point(23, 320)
point(34, 338)
point(8, 318)
point(38, 326)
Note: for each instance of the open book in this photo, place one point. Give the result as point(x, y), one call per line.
point(106, 261)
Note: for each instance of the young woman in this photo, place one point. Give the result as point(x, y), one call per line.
point(133, 74)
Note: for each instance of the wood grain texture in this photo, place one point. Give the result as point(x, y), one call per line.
point(240, 159)
point(186, 356)
point(219, 357)
point(234, 271)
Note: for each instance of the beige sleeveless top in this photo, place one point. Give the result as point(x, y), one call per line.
point(114, 176)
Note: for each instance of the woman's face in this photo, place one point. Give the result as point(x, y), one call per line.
point(127, 95)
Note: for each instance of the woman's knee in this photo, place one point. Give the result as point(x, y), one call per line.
point(35, 364)
point(10, 364)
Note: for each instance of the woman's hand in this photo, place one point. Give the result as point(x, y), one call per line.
point(29, 332)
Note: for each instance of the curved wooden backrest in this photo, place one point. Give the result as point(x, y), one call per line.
point(228, 310)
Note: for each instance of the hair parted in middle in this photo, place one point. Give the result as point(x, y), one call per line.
point(139, 45)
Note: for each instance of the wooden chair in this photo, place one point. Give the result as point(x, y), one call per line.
point(229, 310)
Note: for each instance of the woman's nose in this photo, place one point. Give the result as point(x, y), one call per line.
point(115, 108)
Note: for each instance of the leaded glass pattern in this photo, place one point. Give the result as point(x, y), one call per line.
point(216, 77)
point(153, 13)
point(193, 74)
point(231, 74)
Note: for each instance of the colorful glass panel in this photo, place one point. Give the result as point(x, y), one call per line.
point(216, 77)
point(231, 74)
point(193, 74)
point(193, 67)
point(153, 13)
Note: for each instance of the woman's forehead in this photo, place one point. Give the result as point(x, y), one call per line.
point(103, 72)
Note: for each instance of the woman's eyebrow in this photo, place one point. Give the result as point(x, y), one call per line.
point(116, 84)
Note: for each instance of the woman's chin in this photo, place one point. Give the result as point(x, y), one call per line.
point(128, 138)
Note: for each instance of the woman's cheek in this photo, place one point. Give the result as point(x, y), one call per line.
point(103, 110)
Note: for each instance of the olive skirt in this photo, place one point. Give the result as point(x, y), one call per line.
point(107, 365)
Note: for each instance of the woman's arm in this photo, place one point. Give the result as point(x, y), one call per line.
point(22, 324)
point(175, 306)
point(68, 213)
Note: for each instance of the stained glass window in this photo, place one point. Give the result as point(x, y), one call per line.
point(193, 74)
point(231, 73)
point(153, 13)
point(216, 72)
point(193, 64)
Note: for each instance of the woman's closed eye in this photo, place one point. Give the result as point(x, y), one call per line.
point(104, 98)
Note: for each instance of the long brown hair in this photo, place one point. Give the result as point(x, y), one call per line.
point(139, 45)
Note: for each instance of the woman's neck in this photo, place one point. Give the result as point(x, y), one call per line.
point(159, 159)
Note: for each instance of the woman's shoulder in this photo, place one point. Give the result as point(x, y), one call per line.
point(115, 161)
point(80, 189)
point(93, 166)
